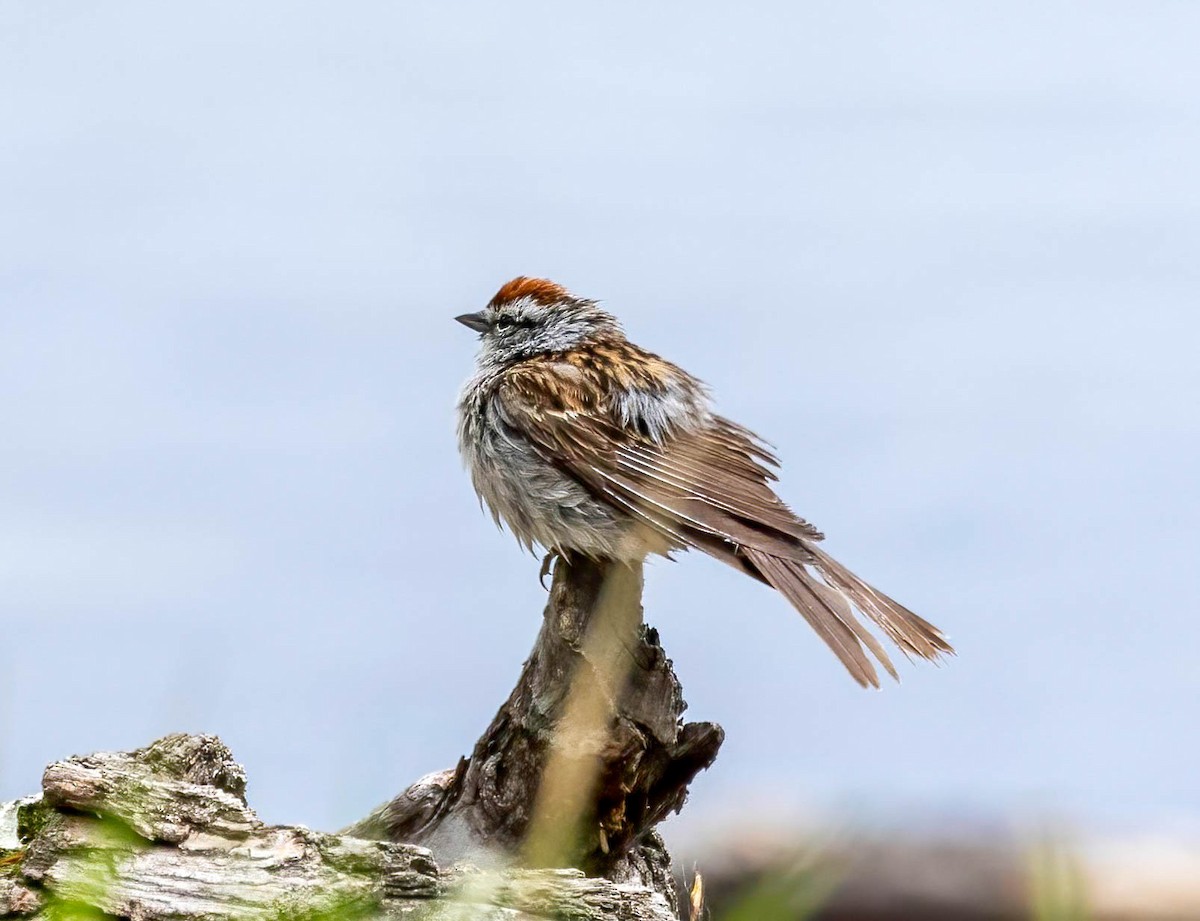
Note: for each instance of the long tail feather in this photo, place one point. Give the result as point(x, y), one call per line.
point(828, 615)
point(913, 634)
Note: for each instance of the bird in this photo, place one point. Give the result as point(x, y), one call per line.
point(582, 442)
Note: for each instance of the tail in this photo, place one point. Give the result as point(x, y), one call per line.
point(826, 603)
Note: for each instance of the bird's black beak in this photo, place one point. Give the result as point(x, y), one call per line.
point(475, 321)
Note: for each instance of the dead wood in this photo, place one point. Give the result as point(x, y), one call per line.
point(641, 753)
point(552, 816)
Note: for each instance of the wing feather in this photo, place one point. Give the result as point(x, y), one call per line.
point(707, 485)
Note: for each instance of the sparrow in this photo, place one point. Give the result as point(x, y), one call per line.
point(584, 443)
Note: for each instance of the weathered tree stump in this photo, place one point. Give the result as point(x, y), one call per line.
point(552, 816)
point(642, 756)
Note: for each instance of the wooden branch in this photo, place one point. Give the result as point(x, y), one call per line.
point(640, 754)
point(582, 761)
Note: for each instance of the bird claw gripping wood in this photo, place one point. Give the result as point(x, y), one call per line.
point(547, 567)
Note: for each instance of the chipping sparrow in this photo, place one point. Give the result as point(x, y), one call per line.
point(582, 442)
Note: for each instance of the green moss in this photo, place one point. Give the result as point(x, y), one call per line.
point(67, 910)
point(350, 907)
point(32, 818)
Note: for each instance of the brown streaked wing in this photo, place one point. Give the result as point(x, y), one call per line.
point(705, 484)
point(709, 489)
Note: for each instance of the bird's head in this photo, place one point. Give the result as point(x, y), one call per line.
point(534, 316)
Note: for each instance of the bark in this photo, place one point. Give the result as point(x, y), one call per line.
point(638, 757)
point(165, 833)
point(582, 761)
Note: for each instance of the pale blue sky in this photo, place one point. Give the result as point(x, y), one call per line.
point(943, 255)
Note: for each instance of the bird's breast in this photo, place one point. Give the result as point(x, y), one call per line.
point(538, 501)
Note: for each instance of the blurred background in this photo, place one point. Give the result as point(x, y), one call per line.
point(943, 256)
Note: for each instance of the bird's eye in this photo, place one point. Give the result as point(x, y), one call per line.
point(506, 323)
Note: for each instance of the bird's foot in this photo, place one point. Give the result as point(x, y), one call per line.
point(548, 567)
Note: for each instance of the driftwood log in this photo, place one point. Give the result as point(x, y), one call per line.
point(552, 815)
